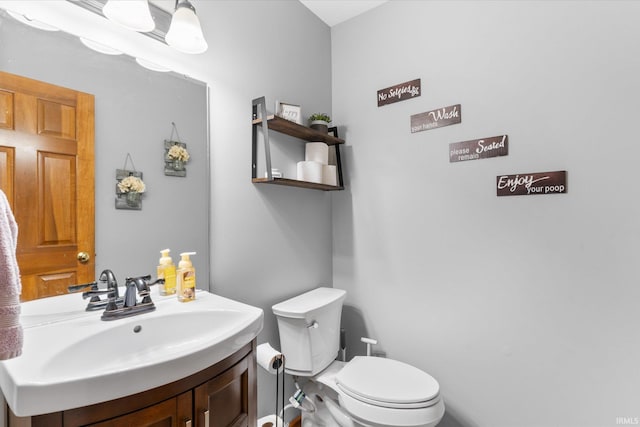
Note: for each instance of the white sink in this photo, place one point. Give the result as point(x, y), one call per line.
point(52, 309)
point(82, 360)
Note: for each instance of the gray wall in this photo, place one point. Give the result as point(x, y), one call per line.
point(268, 243)
point(134, 108)
point(524, 308)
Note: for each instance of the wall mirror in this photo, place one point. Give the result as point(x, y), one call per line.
point(134, 111)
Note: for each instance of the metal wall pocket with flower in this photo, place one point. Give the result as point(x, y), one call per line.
point(175, 154)
point(129, 187)
point(175, 158)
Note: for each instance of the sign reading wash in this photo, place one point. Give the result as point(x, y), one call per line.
point(444, 116)
point(528, 184)
point(479, 149)
point(399, 92)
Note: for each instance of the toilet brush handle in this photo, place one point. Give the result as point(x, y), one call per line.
point(369, 342)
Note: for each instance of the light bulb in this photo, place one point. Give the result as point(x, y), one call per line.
point(131, 14)
point(185, 33)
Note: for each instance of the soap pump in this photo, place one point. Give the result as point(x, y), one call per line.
point(186, 278)
point(167, 271)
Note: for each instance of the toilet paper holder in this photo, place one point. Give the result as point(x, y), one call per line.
point(270, 359)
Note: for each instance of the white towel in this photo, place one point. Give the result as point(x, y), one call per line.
point(10, 286)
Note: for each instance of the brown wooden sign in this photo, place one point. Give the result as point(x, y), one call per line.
point(399, 92)
point(528, 184)
point(441, 117)
point(479, 149)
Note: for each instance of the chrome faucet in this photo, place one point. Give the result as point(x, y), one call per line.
point(109, 278)
point(134, 286)
point(94, 292)
point(113, 295)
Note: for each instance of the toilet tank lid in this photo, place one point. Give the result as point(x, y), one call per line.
point(302, 305)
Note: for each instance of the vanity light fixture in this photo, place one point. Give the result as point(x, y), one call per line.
point(31, 22)
point(99, 47)
point(185, 32)
point(152, 65)
point(131, 14)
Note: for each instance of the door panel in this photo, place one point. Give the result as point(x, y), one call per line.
point(6, 110)
point(56, 119)
point(163, 414)
point(7, 162)
point(225, 400)
point(57, 193)
point(47, 160)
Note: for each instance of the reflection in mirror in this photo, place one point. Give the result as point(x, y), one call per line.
point(134, 111)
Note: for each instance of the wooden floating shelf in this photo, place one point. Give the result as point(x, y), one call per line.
point(297, 183)
point(296, 130)
point(286, 127)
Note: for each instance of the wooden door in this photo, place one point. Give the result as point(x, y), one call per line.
point(226, 400)
point(47, 173)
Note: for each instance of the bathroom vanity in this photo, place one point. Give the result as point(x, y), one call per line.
point(222, 395)
point(183, 364)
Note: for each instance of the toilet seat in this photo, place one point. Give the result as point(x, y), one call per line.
point(387, 383)
point(383, 392)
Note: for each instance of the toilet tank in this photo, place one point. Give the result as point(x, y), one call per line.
point(309, 327)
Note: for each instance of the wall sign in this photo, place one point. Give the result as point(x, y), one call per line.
point(400, 92)
point(479, 149)
point(441, 117)
point(528, 184)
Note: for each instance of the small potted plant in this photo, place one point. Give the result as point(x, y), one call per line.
point(179, 156)
point(320, 122)
point(133, 187)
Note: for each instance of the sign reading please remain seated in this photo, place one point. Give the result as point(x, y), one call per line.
point(528, 184)
point(479, 149)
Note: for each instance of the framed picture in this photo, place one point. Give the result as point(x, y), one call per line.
point(289, 112)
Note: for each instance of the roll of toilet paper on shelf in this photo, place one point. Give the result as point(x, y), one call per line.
point(316, 152)
point(271, 421)
point(270, 359)
point(329, 176)
point(310, 171)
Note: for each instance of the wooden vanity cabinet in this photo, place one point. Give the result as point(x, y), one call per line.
point(223, 395)
point(223, 401)
point(173, 412)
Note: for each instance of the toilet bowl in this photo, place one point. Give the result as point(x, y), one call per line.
point(366, 391)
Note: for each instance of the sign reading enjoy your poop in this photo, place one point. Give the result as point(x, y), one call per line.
point(528, 184)
point(399, 92)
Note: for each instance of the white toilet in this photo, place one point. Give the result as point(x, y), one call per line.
point(370, 391)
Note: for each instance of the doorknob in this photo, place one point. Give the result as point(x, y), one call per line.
point(83, 257)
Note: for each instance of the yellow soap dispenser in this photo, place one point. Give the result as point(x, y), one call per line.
point(186, 278)
point(167, 271)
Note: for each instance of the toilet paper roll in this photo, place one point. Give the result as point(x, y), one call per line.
point(270, 359)
point(310, 171)
point(271, 421)
point(316, 152)
point(329, 176)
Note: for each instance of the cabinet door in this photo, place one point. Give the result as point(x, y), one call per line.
point(174, 412)
point(224, 401)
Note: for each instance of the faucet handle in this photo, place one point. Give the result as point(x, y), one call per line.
point(77, 288)
point(93, 293)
